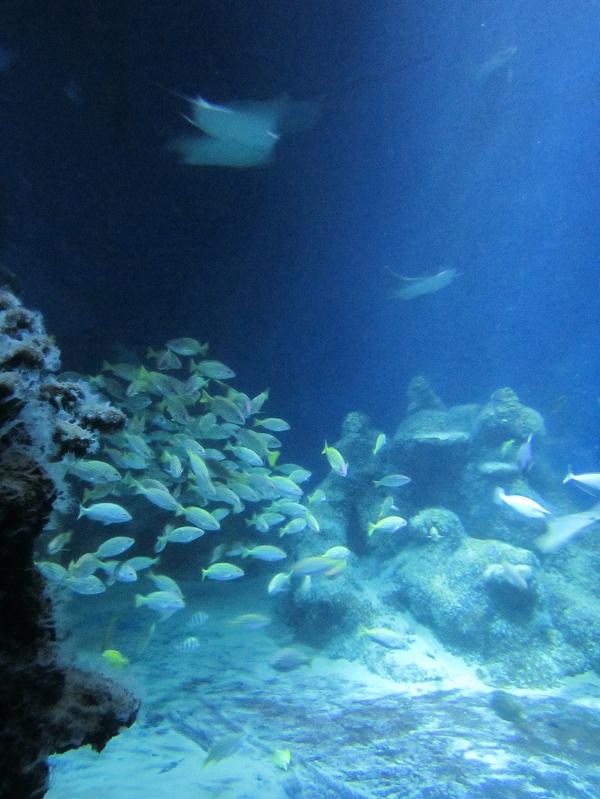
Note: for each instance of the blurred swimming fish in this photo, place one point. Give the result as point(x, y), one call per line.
point(282, 758)
point(384, 637)
point(223, 747)
point(59, 542)
point(115, 659)
point(196, 620)
point(93, 471)
point(84, 585)
point(498, 61)
point(407, 288)
point(279, 583)
point(189, 644)
point(380, 442)
point(289, 659)
point(251, 621)
point(187, 346)
point(562, 528)
point(241, 134)
point(164, 603)
point(525, 454)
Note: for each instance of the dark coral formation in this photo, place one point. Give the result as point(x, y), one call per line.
point(45, 707)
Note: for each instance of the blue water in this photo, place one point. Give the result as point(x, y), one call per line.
point(413, 164)
point(422, 159)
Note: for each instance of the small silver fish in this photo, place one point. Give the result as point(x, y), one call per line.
point(222, 572)
point(288, 659)
point(105, 512)
point(114, 546)
point(85, 585)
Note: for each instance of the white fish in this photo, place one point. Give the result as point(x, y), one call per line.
point(251, 621)
point(407, 288)
point(589, 480)
point(159, 498)
point(244, 454)
point(214, 370)
point(187, 346)
point(200, 518)
point(392, 481)
point(222, 572)
point(265, 552)
point(114, 546)
point(165, 603)
point(141, 562)
point(523, 505)
point(53, 572)
point(165, 583)
point(85, 585)
point(177, 535)
point(286, 487)
point(337, 552)
point(93, 471)
point(300, 475)
point(272, 423)
point(59, 542)
point(294, 526)
point(105, 512)
point(279, 583)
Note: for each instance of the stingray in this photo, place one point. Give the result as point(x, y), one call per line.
point(562, 529)
point(241, 133)
point(407, 288)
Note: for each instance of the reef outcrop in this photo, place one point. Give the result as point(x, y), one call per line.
point(465, 566)
point(46, 706)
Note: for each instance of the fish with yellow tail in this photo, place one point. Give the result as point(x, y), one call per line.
point(336, 460)
point(389, 524)
point(115, 659)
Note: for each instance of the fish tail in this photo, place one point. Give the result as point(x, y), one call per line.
point(204, 573)
point(324, 450)
point(370, 528)
point(81, 512)
point(499, 495)
point(139, 600)
point(569, 475)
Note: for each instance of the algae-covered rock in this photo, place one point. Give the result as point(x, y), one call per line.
point(451, 593)
point(504, 418)
point(437, 526)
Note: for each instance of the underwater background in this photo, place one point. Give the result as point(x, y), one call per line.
point(437, 138)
